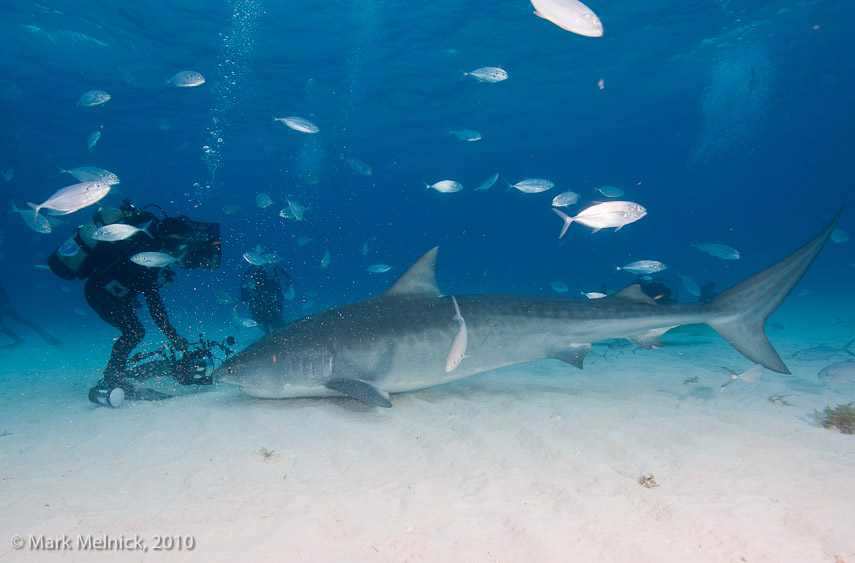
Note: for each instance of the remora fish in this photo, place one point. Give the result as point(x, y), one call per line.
point(396, 342)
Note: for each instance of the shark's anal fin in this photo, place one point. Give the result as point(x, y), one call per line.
point(360, 390)
point(573, 354)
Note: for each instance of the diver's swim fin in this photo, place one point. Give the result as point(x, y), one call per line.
point(145, 395)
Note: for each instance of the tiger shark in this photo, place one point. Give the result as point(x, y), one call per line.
point(399, 341)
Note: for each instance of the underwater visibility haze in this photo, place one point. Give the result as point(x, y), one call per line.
point(567, 153)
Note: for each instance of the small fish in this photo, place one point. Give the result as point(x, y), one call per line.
point(379, 268)
point(839, 236)
point(92, 140)
point(325, 261)
point(93, 98)
point(643, 267)
point(9, 174)
point(751, 375)
point(126, 75)
point(308, 304)
point(119, 231)
point(558, 286)
point(185, 79)
point(754, 83)
point(293, 211)
point(841, 372)
point(466, 135)
point(571, 15)
point(593, 294)
point(40, 224)
point(296, 123)
point(90, 174)
point(309, 178)
point(79, 311)
point(255, 258)
point(163, 124)
point(364, 249)
point(304, 240)
point(444, 186)
point(357, 165)
point(243, 321)
point(718, 250)
point(263, 200)
point(231, 209)
point(488, 183)
point(458, 346)
point(604, 215)
point(610, 191)
point(289, 293)
point(565, 199)
point(690, 285)
point(224, 298)
point(155, 259)
point(823, 352)
point(531, 185)
point(72, 198)
point(487, 74)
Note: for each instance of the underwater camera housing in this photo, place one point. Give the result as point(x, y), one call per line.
point(198, 242)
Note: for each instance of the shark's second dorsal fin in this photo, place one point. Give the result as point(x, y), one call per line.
point(634, 294)
point(420, 279)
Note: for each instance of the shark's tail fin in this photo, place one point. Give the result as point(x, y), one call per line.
point(738, 313)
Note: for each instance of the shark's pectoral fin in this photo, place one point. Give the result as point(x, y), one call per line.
point(650, 339)
point(360, 390)
point(573, 354)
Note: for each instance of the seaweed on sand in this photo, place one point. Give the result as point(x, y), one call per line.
point(842, 418)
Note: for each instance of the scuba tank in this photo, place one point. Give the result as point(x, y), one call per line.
point(73, 258)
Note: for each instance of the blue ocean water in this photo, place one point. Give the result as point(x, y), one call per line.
point(729, 121)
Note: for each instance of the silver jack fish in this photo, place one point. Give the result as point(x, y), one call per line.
point(398, 341)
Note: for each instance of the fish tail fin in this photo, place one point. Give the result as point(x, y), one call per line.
point(457, 315)
point(35, 208)
point(567, 221)
point(62, 170)
point(14, 207)
point(617, 269)
point(509, 187)
point(738, 314)
point(146, 227)
point(849, 345)
point(463, 74)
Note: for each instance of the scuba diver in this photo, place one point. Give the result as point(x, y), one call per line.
point(122, 254)
point(262, 293)
point(6, 310)
point(657, 289)
point(707, 292)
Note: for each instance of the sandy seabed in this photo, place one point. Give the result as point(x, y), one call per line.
point(538, 462)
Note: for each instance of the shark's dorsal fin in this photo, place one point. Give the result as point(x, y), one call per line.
point(420, 279)
point(634, 294)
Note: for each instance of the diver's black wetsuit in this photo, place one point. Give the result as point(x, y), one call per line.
point(112, 290)
point(263, 296)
